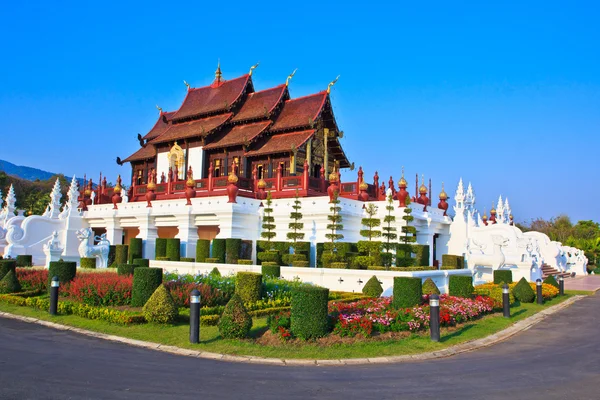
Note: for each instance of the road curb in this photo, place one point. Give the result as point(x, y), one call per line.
point(448, 352)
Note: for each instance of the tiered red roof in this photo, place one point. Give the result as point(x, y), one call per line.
point(144, 153)
point(199, 127)
point(160, 126)
point(239, 134)
point(261, 104)
point(300, 112)
point(282, 143)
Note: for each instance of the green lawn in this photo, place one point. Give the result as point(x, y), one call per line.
point(178, 335)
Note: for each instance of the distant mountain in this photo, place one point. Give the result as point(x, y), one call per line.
point(31, 174)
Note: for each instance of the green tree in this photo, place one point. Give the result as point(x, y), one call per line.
point(410, 232)
point(268, 225)
point(296, 225)
point(335, 224)
point(389, 231)
point(371, 223)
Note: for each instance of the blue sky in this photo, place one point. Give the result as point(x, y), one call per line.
point(506, 95)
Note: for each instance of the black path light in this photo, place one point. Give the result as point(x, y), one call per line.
point(561, 286)
point(434, 317)
point(195, 316)
point(54, 285)
point(506, 300)
point(540, 298)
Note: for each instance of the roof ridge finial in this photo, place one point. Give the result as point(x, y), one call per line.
point(218, 73)
point(290, 76)
point(186, 84)
point(159, 109)
point(332, 83)
point(252, 68)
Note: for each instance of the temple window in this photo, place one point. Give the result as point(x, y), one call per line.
point(260, 171)
point(217, 168)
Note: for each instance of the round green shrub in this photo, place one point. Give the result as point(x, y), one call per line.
point(202, 250)
point(213, 261)
point(309, 312)
point(25, 261)
point(160, 307)
point(232, 250)
point(163, 259)
point(121, 254)
point(187, 259)
point(372, 288)
point(269, 256)
point(141, 262)
point(248, 285)
point(215, 272)
point(272, 270)
point(244, 262)
point(161, 248)
point(126, 269)
point(460, 286)
point(173, 249)
point(135, 249)
point(523, 291)
point(429, 287)
point(502, 276)
point(301, 264)
point(7, 265)
point(551, 280)
point(235, 323)
point(407, 292)
point(65, 270)
point(218, 250)
point(145, 282)
point(10, 283)
point(87, 262)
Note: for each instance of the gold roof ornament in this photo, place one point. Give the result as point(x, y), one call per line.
point(363, 185)
point(118, 188)
point(332, 83)
point(262, 184)
point(290, 76)
point(186, 84)
point(402, 180)
point(443, 195)
point(218, 73)
point(423, 188)
point(333, 176)
point(252, 68)
point(493, 210)
point(159, 109)
point(232, 178)
point(485, 217)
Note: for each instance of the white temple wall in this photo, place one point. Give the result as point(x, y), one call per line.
point(162, 164)
point(195, 160)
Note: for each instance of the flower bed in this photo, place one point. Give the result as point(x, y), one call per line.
point(108, 289)
point(495, 291)
point(209, 296)
point(32, 279)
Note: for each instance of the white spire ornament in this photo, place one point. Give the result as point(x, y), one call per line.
point(11, 200)
point(72, 202)
point(54, 205)
point(500, 211)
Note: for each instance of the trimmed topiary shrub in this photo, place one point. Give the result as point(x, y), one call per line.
point(328, 258)
point(502, 276)
point(218, 250)
point(453, 262)
point(235, 323)
point(215, 272)
point(173, 249)
point(7, 265)
point(213, 261)
point(244, 262)
point(202, 250)
point(407, 292)
point(421, 252)
point(269, 256)
point(161, 248)
point(145, 282)
point(112, 254)
point(163, 259)
point(551, 280)
point(523, 291)
point(160, 307)
point(121, 254)
point(271, 270)
point(429, 287)
point(87, 262)
point(187, 259)
point(65, 270)
point(288, 259)
point(301, 264)
point(10, 283)
point(24, 261)
point(248, 285)
point(309, 312)
point(232, 250)
point(372, 288)
point(461, 286)
point(126, 269)
point(142, 262)
point(135, 249)
point(338, 265)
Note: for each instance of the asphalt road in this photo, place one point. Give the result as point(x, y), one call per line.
point(556, 359)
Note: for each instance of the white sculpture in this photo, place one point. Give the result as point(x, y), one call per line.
point(99, 251)
point(495, 260)
point(52, 249)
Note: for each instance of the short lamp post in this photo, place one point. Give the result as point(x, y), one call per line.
point(561, 286)
point(506, 300)
point(540, 298)
point(195, 316)
point(434, 317)
point(54, 285)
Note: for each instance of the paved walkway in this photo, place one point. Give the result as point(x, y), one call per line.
point(588, 282)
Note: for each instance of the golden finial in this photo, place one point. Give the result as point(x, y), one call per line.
point(485, 217)
point(252, 68)
point(443, 195)
point(186, 84)
point(218, 73)
point(159, 109)
point(422, 188)
point(290, 76)
point(402, 180)
point(332, 83)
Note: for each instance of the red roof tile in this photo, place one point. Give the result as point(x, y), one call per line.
point(200, 127)
point(282, 142)
point(142, 154)
point(239, 134)
point(299, 112)
point(210, 99)
point(259, 104)
point(160, 126)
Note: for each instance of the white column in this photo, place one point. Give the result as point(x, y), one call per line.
point(114, 232)
point(188, 235)
point(148, 234)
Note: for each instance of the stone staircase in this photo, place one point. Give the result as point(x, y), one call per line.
point(548, 270)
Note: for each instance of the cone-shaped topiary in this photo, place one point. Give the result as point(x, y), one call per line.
point(502, 276)
point(160, 307)
point(10, 283)
point(372, 288)
point(215, 272)
point(235, 323)
point(249, 286)
point(429, 287)
point(7, 265)
point(523, 291)
point(551, 280)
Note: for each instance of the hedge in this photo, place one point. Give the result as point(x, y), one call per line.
point(244, 262)
point(456, 262)
point(161, 248)
point(142, 262)
point(145, 282)
point(187, 259)
point(173, 249)
point(202, 250)
point(269, 256)
point(136, 246)
point(400, 269)
point(551, 280)
point(502, 276)
point(218, 249)
point(163, 259)
point(523, 291)
point(404, 255)
point(301, 264)
point(87, 262)
point(421, 254)
point(10, 283)
point(372, 288)
point(309, 312)
point(235, 323)
point(338, 265)
point(288, 259)
point(121, 254)
point(271, 270)
point(407, 292)
point(7, 265)
point(65, 270)
point(112, 254)
point(232, 250)
point(213, 261)
point(25, 261)
point(246, 249)
point(460, 286)
point(248, 285)
point(126, 269)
